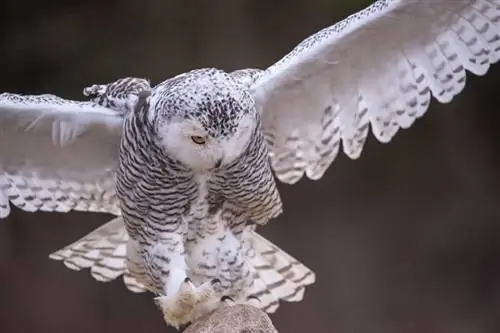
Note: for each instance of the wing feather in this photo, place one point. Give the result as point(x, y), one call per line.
point(376, 69)
point(57, 154)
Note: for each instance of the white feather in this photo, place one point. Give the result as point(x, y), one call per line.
point(277, 275)
point(57, 154)
point(377, 68)
point(104, 251)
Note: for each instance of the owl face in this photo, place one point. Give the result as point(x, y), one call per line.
point(203, 118)
point(189, 141)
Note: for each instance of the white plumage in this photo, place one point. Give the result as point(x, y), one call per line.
point(57, 154)
point(378, 69)
point(104, 251)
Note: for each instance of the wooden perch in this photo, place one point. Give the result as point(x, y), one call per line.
point(234, 319)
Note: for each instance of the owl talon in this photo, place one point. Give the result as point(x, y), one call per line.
point(226, 298)
point(188, 304)
point(253, 297)
point(253, 300)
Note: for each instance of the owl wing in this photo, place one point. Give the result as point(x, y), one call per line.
point(57, 154)
point(377, 68)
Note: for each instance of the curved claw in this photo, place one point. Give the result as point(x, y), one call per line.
point(188, 303)
point(253, 297)
point(226, 298)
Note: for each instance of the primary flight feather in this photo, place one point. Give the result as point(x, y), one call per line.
point(187, 165)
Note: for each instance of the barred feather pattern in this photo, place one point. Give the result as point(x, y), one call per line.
point(46, 142)
point(274, 274)
point(248, 182)
point(120, 95)
point(155, 193)
point(378, 68)
point(104, 252)
point(31, 192)
point(166, 205)
point(37, 185)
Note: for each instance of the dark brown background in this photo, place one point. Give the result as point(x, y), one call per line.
point(406, 239)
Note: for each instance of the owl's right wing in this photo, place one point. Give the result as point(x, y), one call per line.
point(57, 154)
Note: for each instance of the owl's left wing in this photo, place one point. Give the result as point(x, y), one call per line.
point(377, 68)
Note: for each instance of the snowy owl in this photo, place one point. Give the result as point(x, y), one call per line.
point(188, 166)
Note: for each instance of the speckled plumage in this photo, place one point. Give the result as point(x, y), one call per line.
point(189, 210)
point(181, 207)
point(212, 96)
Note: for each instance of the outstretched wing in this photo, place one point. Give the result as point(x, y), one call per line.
point(378, 67)
point(57, 154)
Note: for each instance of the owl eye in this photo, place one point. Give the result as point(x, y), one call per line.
point(199, 140)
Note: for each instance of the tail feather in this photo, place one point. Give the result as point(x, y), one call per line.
point(278, 276)
point(266, 301)
point(104, 251)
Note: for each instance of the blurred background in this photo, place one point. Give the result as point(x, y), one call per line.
point(405, 239)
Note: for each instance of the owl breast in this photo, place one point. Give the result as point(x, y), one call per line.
point(202, 219)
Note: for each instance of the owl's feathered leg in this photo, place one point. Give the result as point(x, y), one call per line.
point(219, 256)
point(180, 300)
point(188, 304)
